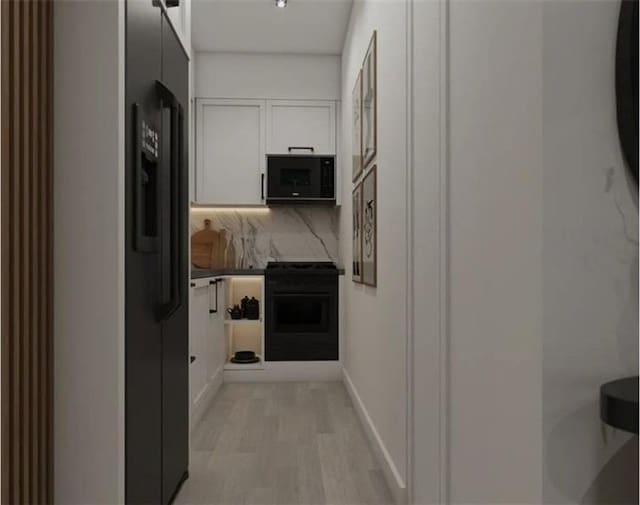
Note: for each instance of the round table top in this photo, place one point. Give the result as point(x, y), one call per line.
point(619, 404)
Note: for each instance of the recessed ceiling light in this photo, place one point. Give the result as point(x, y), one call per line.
point(281, 3)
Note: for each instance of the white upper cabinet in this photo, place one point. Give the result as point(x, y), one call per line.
point(301, 124)
point(230, 151)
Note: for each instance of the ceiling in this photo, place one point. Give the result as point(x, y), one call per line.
point(258, 26)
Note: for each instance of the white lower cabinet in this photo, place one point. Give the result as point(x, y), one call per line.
point(198, 330)
point(206, 339)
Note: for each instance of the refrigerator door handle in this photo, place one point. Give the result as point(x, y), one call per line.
point(172, 285)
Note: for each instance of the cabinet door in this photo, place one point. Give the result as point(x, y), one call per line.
point(301, 123)
point(199, 327)
point(230, 151)
point(216, 337)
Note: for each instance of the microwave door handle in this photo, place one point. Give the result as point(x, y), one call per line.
point(172, 249)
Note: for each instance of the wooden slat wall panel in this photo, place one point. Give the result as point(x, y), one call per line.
point(27, 346)
point(5, 12)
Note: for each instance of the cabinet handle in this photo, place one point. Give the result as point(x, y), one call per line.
point(262, 185)
point(214, 310)
point(192, 359)
point(291, 148)
point(193, 284)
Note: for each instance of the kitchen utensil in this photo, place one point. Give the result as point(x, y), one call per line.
point(252, 309)
point(235, 312)
point(243, 306)
point(245, 357)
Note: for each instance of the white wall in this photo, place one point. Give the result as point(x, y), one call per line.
point(285, 76)
point(590, 258)
point(495, 252)
point(543, 255)
point(89, 252)
point(375, 322)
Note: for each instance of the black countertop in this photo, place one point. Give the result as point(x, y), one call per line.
point(198, 273)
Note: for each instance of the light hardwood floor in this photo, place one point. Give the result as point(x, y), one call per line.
point(288, 443)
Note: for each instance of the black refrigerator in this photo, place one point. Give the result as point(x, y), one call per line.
point(156, 270)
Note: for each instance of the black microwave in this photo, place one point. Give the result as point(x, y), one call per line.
point(301, 179)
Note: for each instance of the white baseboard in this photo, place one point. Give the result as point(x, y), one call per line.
point(204, 399)
point(288, 371)
point(392, 476)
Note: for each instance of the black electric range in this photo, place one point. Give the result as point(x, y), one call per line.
point(301, 316)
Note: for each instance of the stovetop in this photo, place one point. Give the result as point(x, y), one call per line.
point(301, 266)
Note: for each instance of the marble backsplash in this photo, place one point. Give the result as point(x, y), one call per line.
point(261, 235)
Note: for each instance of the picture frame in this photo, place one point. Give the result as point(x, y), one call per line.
point(356, 123)
point(370, 227)
point(356, 211)
point(370, 102)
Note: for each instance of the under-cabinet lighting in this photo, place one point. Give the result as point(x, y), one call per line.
point(281, 3)
point(258, 210)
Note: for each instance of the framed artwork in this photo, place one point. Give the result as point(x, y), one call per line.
point(369, 103)
point(370, 228)
point(356, 268)
point(356, 118)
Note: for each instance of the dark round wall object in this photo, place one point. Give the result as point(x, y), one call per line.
point(619, 404)
point(627, 83)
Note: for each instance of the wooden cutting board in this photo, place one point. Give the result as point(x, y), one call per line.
point(208, 247)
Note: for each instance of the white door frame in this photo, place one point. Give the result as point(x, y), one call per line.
point(428, 251)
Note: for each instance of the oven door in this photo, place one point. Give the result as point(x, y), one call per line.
point(301, 324)
point(301, 313)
